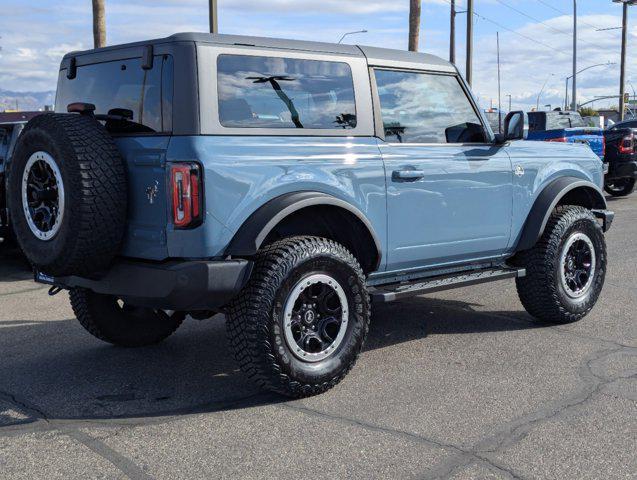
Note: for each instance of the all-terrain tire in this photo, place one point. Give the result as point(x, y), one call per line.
point(95, 194)
point(542, 291)
point(621, 188)
point(255, 320)
point(125, 326)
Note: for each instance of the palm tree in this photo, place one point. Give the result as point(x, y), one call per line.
point(99, 24)
point(414, 24)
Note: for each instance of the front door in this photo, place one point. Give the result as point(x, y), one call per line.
point(449, 192)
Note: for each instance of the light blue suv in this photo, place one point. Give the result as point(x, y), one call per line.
point(290, 185)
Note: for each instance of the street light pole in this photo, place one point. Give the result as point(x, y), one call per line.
point(542, 91)
point(351, 33)
point(212, 16)
point(568, 79)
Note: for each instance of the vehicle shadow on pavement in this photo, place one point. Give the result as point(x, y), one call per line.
point(54, 370)
point(13, 265)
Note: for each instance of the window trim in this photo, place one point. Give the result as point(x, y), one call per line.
point(378, 115)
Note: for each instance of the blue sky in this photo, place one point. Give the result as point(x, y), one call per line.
point(535, 36)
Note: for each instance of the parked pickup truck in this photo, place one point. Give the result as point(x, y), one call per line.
point(11, 124)
point(621, 158)
point(289, 185)
point(565, 127)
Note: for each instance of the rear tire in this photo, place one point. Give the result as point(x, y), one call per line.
point(621, 187)
point(565, 270)
point(123, 325)
point(300, 323)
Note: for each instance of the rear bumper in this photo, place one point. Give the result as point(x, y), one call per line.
point(175, 285)
point(618, 170)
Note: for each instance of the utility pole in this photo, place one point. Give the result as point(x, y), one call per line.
point(574, 104)
point(622, 80)
point(414, 24)
point(469, 72)
point(499, 85)
point(213, 16)
point(99, 24)
point(452, 38)
point(510, 102)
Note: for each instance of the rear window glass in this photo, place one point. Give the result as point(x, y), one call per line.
point(123, 88)
point(269, 92)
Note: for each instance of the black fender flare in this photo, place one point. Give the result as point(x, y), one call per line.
point(253, 232)
point(546, 202)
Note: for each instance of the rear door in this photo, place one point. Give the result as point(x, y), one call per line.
point(144, 96)
point(449, 192)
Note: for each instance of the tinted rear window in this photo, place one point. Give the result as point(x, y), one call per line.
point(122, 87)
point(273, 92)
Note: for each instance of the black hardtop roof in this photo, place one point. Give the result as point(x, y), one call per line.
point(379, 55)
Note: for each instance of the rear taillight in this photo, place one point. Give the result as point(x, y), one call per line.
point(627, 145)
point(603, 147)
point(185, 184)
point(559, 139)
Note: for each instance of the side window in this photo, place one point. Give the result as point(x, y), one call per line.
point(123, 88)
point(426, 108)
point(557, 122)
point(269, 92)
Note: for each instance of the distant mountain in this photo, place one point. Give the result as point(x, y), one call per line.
point(25, 100)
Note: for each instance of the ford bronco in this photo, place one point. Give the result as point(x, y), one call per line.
point(290, 185)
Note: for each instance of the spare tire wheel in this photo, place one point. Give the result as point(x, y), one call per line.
point(67, 194)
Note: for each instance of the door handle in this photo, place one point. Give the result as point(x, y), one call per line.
point(407, 175)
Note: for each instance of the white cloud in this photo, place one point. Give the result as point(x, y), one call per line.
point(35, 39)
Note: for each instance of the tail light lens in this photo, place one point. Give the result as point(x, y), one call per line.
point(559, 139)
point(185, 183)
point(603, 147)
point(627, 144)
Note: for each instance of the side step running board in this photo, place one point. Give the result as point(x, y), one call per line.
point(396, 291)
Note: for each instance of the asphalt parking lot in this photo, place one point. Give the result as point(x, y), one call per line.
point(460, 385)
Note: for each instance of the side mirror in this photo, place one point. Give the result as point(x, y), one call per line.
point(513, 128)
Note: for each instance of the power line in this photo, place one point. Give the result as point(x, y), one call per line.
point(524, 14)
point(526, 37)
point(597, 28)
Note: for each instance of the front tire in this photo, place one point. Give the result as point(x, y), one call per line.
point(300, 323)
point(621, 187)
point(565, 269)
point(112, 321)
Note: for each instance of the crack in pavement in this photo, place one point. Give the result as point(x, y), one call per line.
point(121, 462)
point(461, 457)
point(517, 429)
point(510, 434)
point(30, 409)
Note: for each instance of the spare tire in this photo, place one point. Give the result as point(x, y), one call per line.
point(67, 194)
